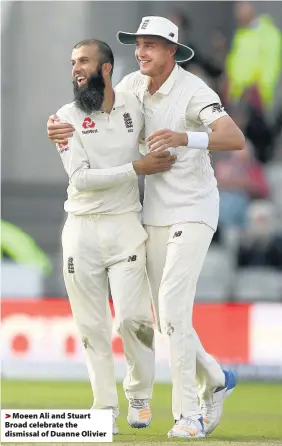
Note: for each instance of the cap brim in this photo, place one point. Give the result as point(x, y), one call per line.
point(183, 53)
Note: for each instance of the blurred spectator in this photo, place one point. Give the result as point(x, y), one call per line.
point(255, 127)
point(20, 247)
point(240, 179)
point(219, 44)
point(261, 244)
point(254, 61)
point(199, 64)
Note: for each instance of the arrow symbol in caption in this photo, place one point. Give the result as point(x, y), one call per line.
point(7, 415)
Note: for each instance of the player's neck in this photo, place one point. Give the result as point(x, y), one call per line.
point(109, 99)
point(156, 82)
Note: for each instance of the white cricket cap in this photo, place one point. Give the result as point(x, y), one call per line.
point(161, 27)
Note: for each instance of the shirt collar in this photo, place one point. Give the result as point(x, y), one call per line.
point(166, 87)
point(119, 99)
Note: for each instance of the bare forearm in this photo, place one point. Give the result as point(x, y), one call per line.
point(225, 135)
point(228, 140)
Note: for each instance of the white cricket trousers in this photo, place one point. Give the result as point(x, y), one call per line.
point(175, 256)
point(102, 250)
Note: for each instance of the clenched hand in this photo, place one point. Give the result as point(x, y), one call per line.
point(58, 132)
point(164, 139)
point(154, 162)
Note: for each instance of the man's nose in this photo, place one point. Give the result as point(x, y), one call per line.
point(75, 70)
point(140, 52)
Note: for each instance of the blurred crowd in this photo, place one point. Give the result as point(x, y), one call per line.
point(246, 74)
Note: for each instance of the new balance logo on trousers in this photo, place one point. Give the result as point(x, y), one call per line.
point(132, 258)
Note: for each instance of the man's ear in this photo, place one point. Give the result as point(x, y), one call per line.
point(107, 68)
point(173, 49)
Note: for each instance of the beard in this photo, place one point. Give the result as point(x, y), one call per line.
point(90, 97)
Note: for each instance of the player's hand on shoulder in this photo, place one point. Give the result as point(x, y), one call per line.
point(58, 132)
point(154, 162)
point(165, 138)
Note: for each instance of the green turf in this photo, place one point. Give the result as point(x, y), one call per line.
point(252, 414)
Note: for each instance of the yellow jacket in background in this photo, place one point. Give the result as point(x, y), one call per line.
point(255, 59)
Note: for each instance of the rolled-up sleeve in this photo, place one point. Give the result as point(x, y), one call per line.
point(204, 108)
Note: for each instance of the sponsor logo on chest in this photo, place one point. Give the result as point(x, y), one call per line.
point(88, 126)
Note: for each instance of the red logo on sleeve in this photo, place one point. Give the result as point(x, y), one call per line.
point(88, 123)
point(63, 147)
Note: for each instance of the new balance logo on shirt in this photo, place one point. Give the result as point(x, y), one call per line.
point(217, 108)
point(177, 234)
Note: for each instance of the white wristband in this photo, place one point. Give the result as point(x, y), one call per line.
point(198, 140)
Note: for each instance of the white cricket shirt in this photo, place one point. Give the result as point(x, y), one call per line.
point(98, 158)
point(188, 192)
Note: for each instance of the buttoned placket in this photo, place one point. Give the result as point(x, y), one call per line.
point(109, 118)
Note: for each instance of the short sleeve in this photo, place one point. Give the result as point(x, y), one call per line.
point(132, 83)
point(125, 85)
point(204, 108)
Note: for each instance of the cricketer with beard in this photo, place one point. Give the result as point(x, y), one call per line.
point(103, 239)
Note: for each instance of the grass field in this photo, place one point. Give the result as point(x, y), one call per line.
point(252, 414)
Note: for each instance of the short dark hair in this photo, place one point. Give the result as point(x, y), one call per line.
point(105, 52)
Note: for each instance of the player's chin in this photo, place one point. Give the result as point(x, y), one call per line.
point(145, 69)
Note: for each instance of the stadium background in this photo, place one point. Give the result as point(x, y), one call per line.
point(238, 309)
